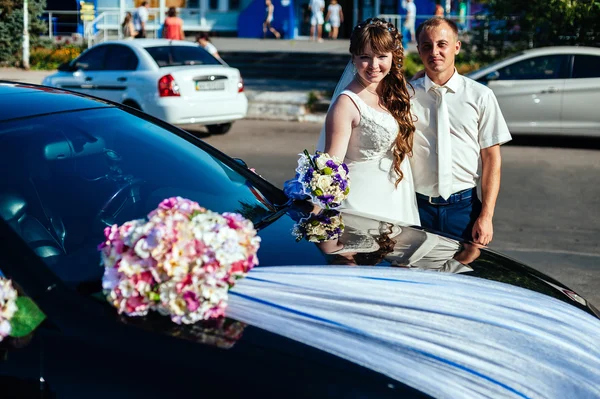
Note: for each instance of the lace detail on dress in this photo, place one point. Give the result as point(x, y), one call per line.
point(375, 134)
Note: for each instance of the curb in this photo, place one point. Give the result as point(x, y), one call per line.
point(286, 106)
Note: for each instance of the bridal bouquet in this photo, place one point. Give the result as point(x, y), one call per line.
point(324, 178)
point(19, 315)
point(180, 262)
point(324, 226)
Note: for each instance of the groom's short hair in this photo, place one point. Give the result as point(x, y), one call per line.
point(434, 22)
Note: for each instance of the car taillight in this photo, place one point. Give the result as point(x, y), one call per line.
point(240, 85)
point(167, 87)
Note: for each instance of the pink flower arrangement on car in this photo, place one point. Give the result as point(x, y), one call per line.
point(8, 306)
point(180, 262)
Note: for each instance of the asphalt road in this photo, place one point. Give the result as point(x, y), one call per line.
point(548, 213)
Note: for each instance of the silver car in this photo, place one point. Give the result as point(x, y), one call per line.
point(550, 90)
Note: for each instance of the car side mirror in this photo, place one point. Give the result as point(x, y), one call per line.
point(494, 75)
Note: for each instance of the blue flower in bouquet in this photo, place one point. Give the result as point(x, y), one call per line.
point(324, 226)
point(324, 178)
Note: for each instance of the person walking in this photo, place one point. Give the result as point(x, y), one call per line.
point(316, 19)
point(459, 125)
point(335, 17)
point(140, 18)
point(203, 40)
point(409, 20)
point(173, 26)
point(269, 11)
point(439, 9)
point(127, 29)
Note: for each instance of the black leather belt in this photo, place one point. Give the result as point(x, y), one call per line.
point(453, 199)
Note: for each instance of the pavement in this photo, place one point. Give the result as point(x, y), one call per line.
point(267, 98)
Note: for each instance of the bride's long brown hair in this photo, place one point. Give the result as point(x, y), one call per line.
point(383, 37)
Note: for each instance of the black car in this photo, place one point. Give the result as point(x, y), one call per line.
point(383, 310)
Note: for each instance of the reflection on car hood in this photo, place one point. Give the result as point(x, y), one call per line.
point(18, 100)
point(371, 242)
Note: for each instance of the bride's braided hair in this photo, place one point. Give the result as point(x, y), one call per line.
point(383, 37)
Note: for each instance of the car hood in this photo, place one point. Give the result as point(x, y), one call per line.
point(365, 241)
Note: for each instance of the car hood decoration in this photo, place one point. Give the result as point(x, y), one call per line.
point(180, 262)
point(446, 335)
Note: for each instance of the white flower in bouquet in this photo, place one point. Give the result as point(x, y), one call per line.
point(324, 178)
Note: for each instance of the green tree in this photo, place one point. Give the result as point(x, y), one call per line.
point(549, 22)
point(11, 28)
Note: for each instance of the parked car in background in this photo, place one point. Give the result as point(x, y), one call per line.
point(385, 310)
point(549, 90)
point(176, 81)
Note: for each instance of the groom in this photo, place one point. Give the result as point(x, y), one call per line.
point(459, 126)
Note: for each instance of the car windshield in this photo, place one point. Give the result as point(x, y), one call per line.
point(67, 176)
point(166, 56)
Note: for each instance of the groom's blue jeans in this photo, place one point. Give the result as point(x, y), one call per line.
point(455, 216)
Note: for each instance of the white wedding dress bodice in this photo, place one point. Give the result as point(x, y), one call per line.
point(370, 161)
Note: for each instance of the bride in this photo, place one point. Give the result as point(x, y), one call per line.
point(369, 126)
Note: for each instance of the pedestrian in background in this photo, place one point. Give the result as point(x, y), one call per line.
point(316, 19)
point(140, 18)
point(439, 10)
point(335, 17)
point(269, 11)
point(409, 20)
point(173, 26)
point(203, 40)
point(127, 28)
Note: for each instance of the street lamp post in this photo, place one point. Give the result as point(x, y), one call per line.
point(25, 35)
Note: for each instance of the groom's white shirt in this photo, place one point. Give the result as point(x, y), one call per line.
point(476, 122)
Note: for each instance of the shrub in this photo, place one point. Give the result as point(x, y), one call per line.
point(51, 58)
point(11, 29)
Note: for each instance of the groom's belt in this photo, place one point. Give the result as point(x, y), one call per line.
point(454, 198)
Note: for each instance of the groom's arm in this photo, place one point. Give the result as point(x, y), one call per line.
point(491, 162)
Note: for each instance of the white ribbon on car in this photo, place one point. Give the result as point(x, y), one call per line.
point(447, 335)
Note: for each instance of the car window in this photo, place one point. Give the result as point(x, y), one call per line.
point(586, 66)
point(181, 55)
point(72, 175)
point(543, 67)
point(92, 60)
point(121, 58)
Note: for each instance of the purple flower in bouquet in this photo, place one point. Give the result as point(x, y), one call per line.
point(323, 178)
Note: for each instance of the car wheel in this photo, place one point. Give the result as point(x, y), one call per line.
point(132, 104)
point(221, 128)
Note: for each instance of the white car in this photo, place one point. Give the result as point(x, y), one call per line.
point(549, 90)
point(176, 81)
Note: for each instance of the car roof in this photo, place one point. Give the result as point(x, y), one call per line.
point(563, 50)
point(21, 100)
point(145, 43)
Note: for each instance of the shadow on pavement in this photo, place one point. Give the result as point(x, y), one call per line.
point(587, 143)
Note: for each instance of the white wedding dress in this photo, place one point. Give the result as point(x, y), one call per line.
point(372, 179)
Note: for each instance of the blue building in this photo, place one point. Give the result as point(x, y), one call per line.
point(243, 18)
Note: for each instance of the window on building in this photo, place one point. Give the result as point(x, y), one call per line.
point(213, 4)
